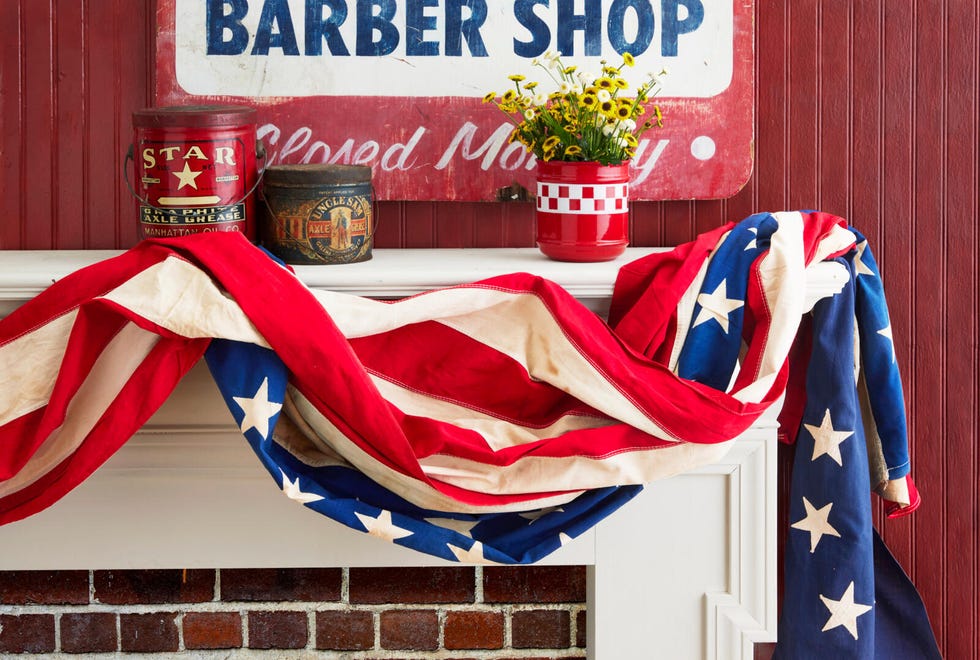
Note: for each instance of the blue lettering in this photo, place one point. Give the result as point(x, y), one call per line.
point(417, 22)
point(275, 12)
point(368, 23)
point(218, 21)
point(457, 29)
point(319, 28)
point(644, 26)
point(672, 26)
point(590, 23)
point(540, 34)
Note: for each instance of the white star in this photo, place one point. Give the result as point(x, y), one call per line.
point(382, 527)
point(751, 245)
point(258, 410)
point(464, 527)
point(826, 440)
point(844, 612)
point(861, 268)
point(564, 539)
point(816, 523)
point(472, 556)
point(717, 305)
point(293, 492)
point(886, 332)
point(187, 177)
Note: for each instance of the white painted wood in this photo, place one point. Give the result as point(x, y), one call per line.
point(686, 570)
point(706, 541)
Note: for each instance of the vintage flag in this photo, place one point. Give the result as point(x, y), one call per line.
point(487, 422)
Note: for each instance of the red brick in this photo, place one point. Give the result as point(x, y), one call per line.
point(148, 633)
point(26, 633)
point(44, 587)
point(473, 630)
point(415, 630)
point(212, 630)
point(88, 632)
point(272, 584)
point(581, 629)
point(277, 630)
point(344, 630)
point(377, 586)
point(534, 584)
point(154, 586)
point(540, 629)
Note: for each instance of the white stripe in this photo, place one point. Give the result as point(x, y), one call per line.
point(110, 372)
point(781, 271)
point(30, 365)
point(180, 297)
point(527, 476)
point(532, 474)
point(498, 433)
point(333, 441)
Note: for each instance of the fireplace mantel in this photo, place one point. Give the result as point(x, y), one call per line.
point(690, 563)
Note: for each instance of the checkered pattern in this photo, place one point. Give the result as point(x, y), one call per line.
point(582, 198)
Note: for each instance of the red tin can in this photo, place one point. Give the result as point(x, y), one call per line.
point(582, 210)
point(195, 170)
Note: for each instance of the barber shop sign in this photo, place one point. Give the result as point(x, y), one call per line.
point(398, 84)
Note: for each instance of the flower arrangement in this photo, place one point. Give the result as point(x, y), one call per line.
point(585, 119)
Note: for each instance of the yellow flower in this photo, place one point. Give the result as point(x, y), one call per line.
point(588, 118)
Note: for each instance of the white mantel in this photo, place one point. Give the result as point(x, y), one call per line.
point(685, 570)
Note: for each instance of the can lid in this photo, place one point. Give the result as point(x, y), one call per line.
point(306, 174)
point(194, 116)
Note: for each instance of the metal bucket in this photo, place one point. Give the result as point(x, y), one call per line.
point(195, 169)
point(318, 213)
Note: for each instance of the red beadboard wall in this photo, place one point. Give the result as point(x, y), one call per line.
point(865, 109)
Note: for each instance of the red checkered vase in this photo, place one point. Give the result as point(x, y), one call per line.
point(582, 210)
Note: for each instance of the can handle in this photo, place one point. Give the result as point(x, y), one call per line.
point(259, 154)
point(316, 250)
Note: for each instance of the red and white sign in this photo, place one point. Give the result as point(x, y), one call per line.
point(398, 84)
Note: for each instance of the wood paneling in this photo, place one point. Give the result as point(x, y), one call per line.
point(866, 109)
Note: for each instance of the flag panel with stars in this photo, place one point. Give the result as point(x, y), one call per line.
point(541, 419)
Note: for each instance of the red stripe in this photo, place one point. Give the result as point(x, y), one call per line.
point(320, 359)
point(17, 442)
point(459, 369)
point(141, 396)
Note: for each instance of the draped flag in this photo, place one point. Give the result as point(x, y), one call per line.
point(487, 422)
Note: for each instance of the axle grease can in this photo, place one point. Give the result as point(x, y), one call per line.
point(195, 170)
point(318, 213)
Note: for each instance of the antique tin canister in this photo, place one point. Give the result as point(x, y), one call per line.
point(195, 170)
point(318, 213)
